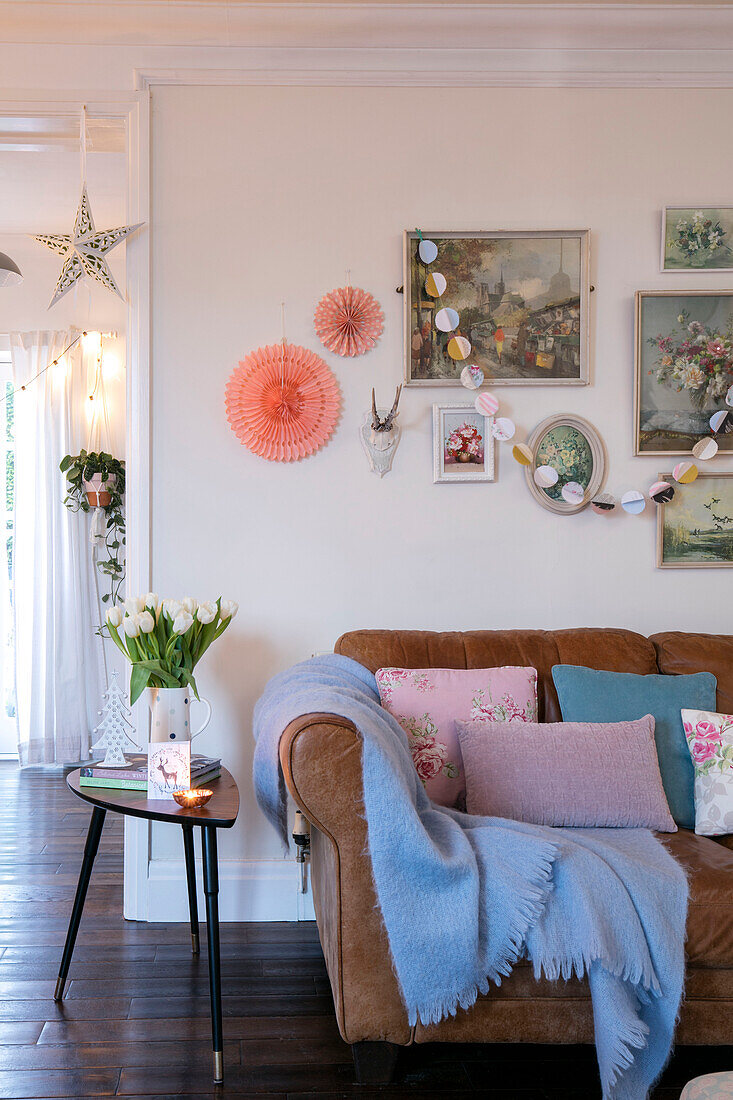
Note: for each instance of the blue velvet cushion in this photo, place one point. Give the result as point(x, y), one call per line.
point(587, 695)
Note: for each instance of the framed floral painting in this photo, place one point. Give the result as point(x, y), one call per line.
point(571, 447)
point(463, 446)
point(695, 529)
point(683, 368)
point(518, 298)
point(697, 238)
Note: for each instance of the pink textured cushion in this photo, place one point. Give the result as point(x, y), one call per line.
point(566, 773)
point(427, 701)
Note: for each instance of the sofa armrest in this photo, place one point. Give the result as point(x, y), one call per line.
point(320, 756)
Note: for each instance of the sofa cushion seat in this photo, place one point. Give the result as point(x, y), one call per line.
point(710, 918)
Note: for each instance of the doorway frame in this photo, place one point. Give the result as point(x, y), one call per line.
point(133, 110)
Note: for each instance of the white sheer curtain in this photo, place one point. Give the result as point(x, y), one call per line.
point(59, 672)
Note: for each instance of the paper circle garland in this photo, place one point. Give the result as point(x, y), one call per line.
point(546, 476)
point(472, 377)
point(685, 472)
point(729, 397)
point(446, 319)
point(603, 504)
point(572, 492)
point(486, 404)
point(661, 492)
point(503, 429)
point(633, 502)
point(435, 284)
point(427, 251)
point(722, 421)
point(705, 448)
point(459, 348)
point(282, 402)
point(348, 321)
point(522, 454)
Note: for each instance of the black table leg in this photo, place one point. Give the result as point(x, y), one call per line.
point(90, 851)
point(211, 889)
point(191, 880)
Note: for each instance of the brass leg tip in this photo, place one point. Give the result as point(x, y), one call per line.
point(195, 944)
point(59, 991)
point(218, 1067)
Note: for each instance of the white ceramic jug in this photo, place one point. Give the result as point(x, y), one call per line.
point(170, 714)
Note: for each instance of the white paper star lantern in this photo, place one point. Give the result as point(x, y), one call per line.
point(84, 250)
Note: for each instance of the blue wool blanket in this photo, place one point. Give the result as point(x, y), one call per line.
point(463, 897)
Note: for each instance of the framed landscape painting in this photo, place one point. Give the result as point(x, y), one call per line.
point(521, 300)
point(463, 446)
point(695, 530)
point(697, 238)
point(683, 368)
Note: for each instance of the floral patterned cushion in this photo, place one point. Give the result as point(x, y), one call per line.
point(710, 741)
point(713, 1086)
point(427, 701)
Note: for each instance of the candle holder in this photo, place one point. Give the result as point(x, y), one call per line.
point(192, 799)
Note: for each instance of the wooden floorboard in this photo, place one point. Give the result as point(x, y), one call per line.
point(135, 1022)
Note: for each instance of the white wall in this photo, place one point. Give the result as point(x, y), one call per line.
point(266, 194)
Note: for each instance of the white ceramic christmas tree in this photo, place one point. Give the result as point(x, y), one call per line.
point(113, 727)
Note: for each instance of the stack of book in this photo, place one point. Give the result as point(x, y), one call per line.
point(135, 777)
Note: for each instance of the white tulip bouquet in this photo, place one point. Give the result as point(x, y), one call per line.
point(165, 639)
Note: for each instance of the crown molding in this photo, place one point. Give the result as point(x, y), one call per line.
point(340, 25)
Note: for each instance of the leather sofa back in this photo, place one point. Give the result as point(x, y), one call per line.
point(678, 653)
point(611, 650)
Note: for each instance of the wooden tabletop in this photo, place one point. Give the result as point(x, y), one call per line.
point(221, 810)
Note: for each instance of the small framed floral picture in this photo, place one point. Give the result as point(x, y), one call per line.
point(570, 452)
point(463, 446)
point(697, 238)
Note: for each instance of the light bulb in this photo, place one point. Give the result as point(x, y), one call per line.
point(91, 341)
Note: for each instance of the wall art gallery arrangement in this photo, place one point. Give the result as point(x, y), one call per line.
point(511, 308)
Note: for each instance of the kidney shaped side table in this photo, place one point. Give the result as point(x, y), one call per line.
point(220, 812)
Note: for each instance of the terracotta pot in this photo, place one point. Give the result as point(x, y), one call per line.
point(97, 496)
point(463, 456)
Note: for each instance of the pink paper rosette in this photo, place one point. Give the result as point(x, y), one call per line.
point(282, 402)
point(349, 321)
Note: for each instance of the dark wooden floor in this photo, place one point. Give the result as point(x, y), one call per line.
point(135, 1021)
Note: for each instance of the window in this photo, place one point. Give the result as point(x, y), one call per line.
point(8, 739)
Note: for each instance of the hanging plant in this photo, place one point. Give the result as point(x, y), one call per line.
point(97, 480)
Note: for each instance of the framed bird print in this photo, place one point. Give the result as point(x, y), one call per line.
point(695, 529)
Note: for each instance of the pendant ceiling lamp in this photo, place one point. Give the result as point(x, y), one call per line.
point(10, 273)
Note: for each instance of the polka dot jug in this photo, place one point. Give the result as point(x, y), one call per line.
point(170, 715)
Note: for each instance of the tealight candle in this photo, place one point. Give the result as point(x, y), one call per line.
point(193, 798)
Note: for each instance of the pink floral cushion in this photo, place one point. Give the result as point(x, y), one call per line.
point(710, 741)
point(583, 774)
point(427, 701)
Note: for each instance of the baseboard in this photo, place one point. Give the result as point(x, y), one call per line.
point(249, 890)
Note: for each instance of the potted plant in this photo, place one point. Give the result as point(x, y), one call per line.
point(95, 479)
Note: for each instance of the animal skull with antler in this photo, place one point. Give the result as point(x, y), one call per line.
point(380, 435)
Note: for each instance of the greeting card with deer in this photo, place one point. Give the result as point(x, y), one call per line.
point(169, 769)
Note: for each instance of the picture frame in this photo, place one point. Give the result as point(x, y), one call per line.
point(672, 408)
point(697, 238)
point(512, 291)
point(574, 447)
point(449, 465)
point(682, 541)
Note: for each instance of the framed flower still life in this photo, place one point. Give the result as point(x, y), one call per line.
point(697, 238)
point(572, 448)
point(463, 446)
point(683, 368)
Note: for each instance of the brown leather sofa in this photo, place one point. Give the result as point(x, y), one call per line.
point(321, 761)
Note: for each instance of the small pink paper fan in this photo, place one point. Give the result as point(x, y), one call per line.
point(349, 321)
point(282, 402)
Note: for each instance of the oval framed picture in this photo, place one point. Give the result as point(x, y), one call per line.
point(572, 447)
